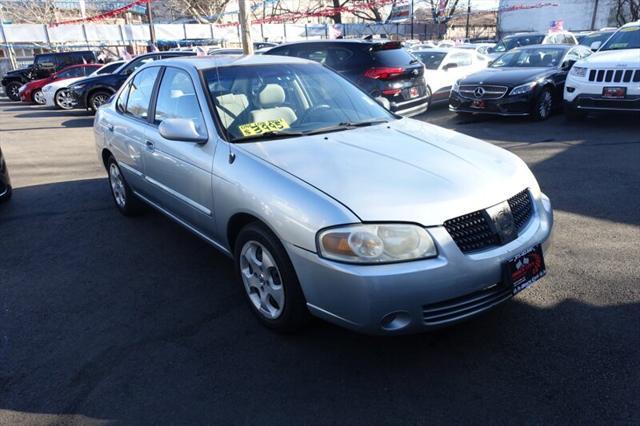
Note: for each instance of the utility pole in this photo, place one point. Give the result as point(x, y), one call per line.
point(593, 17)
point(152, 31)
point(412, 14)
point(468, 14)
point(245, 28)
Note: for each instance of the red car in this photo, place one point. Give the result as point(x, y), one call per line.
point(31, 92)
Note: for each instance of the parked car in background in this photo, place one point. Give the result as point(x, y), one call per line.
point(527, 81)
point(559, 37)
point(225, 51)
point(512, 41)
point(5, 180)
point(608, 80)
point(92, 92)
point(327, 202)
point(381, 68)
point(56, 94)
point(43, 66)
point(31, 92)
point(595, 39)
point(481, 48)
point(443, 67)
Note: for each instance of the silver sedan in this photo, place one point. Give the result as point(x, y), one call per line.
point(329, 204)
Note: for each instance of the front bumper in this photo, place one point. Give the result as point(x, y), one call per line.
point(519, 105)
point(79, 98)
point(581, 94)
point(49, 98)
point(399, 298)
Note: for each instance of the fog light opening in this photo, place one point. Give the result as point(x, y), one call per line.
point(395, 321)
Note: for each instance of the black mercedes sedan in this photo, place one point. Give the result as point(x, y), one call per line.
point(527, 81)
point(5, 182)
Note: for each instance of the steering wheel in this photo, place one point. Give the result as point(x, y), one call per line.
point(313, 109)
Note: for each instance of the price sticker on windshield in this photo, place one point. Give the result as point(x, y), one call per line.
point(261, 127)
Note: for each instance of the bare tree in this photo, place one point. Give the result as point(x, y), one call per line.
point(30, 11)
point(442, 11)
point(202, 11)
point(627, 11)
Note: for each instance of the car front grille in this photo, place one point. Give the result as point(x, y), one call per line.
point(455, 309)
point(489, 92)
point(614, 76)
point(473, 231)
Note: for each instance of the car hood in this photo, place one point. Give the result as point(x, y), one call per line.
point(507, 76)
point(406, 171)
point(96, 79)
point(614, 58)
point(65, 82)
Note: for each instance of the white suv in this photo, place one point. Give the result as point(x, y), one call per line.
point(608, 80)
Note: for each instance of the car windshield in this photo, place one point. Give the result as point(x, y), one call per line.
point(625, 38)
point(533, 57)
point(431, 60)
point(509, 43)
point(282, 100)
point(589, 39)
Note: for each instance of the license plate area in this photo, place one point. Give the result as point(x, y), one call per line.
point(414, 92)
point(614, 92)
point(478, 103)
point(524, 269)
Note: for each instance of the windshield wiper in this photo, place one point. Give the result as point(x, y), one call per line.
point(268, 135)
point(345, 125)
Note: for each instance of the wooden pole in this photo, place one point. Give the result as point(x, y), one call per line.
point(245, 28)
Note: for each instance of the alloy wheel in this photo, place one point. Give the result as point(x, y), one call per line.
point(13, 91)
point(38, 97)
point(117, 186)
point(64, 100)
point(544, 106)
point(98, 100)
point(262, 280)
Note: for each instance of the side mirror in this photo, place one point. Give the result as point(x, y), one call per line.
point(384, 102)
point(450, 65)
point(182, 130)
point(595, 45)
point(566, 65)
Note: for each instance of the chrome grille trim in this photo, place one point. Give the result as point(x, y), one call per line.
point(490, 91)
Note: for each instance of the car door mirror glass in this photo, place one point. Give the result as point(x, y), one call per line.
point(181, 129)
point(596, 45)
point(566, 65)
point(384, 102)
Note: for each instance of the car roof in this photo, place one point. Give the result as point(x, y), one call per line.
point(443, 50)
point(358, 41)
point(213, 61)
point(550, 46)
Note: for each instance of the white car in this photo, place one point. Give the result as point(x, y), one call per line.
point(55, 94)
point(443, 67)
point(608, 80)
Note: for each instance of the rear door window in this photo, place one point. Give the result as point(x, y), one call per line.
point(140, 93)
point(392, 58)
point(177, 98)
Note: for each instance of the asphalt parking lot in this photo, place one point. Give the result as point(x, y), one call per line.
point(109, 319)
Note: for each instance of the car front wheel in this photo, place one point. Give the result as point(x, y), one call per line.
point(97, 99)
point(38, 97)
point(543, 105)
point(270, 283)
point(63, 99)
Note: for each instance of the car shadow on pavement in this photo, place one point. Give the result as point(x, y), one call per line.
point(48, 113)
point(138, 321)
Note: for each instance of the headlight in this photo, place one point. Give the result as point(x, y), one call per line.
point(456, 86)
point(579, 71)
point(525, 88)
point(370, 243)
point(76, 87)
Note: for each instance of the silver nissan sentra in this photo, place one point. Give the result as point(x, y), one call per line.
point(329, 204)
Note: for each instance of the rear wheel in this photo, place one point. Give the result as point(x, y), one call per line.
point(12, 90)
point(543, 105)
point(63, 99)
point(123, 196)
point(38, 97)
point(270, 283)
point(97, 99)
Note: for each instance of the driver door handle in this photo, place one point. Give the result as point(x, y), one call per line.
point(109, 126)
point(150, 146)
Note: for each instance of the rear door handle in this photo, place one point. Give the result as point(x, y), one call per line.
point(150, 145)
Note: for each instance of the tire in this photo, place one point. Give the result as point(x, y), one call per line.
point(97, 99)
point(572, 114)
point(429, 99)
point(268, 279)
point(62, 100)
point(543, 106)
point(7, 195)
point(124, 198)
point(38, 97)
point(12, 90)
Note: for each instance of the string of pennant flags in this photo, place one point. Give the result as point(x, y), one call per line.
point(355, 7)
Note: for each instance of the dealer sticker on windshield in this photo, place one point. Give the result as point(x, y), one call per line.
point(261, 127)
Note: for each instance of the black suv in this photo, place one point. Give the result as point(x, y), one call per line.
point(90, 93)
point(43, 66)
point(380, 68)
